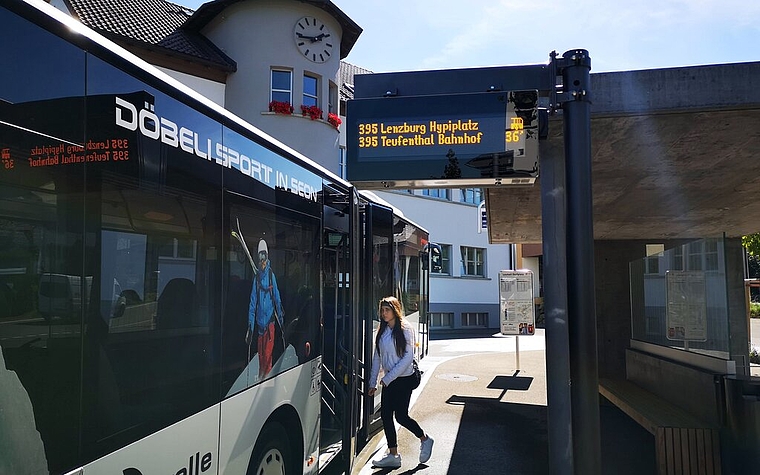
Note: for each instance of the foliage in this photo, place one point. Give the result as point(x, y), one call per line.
point(751, 243)
point(280, 107)
point(313, 112)
point(754, 310)
point(334, 120)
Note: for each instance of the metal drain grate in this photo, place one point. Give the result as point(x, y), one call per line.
point(463, 378)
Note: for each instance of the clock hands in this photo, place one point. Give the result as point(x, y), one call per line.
point(313, 39)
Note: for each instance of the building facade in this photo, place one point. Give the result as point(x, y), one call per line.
point(279, 66)
point(464, 296)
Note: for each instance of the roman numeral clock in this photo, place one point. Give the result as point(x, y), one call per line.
point(313, 39)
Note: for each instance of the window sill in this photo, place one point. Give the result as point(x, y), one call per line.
point(299, 116)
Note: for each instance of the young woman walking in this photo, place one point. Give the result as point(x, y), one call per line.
point(394, 352)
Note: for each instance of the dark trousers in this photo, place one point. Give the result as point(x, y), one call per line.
point(394, 400)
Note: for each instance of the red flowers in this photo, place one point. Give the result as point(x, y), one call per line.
point(313, 112)
point(334, 120)
point(280, 107)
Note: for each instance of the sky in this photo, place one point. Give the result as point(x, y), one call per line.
point(405, 35)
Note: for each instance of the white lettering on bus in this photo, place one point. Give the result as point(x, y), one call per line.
point(154, 127)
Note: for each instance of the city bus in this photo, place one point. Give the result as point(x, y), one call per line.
point(180, 294)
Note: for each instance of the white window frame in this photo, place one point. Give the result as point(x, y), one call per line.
point(437, 319)
point(311, 97)
point(654, 253)
point(477, 195)
point(445, 260)
point(473, 256)
point(342, 162)
point(440, 193)
point(332, 100)
point(475, 319)
point(694, 255)
point(712, 256)
point(273, 90)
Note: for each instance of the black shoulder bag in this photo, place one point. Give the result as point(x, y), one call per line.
point(417, 374)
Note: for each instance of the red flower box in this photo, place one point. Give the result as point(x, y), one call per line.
point(334, 120)
point(313, 112)
point(280, 107)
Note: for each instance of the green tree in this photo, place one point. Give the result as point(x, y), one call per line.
point(751, 243)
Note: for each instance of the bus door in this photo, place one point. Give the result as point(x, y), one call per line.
point(338, 362)
point(377, 282)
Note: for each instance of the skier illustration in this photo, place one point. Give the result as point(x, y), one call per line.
point(265, 310)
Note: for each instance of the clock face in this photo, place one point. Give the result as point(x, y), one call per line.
point(313, 39)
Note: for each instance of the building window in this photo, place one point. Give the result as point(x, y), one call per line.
point(694, 259)
point(697, 255)
point(654, 254)
point(678, 258)
point(473, 261)
point(441, 320)
point(711, 254)
point(177, 248)
point(310, 90)
point(445, 260)
point(333, 99)
point(474, 319)
point(471, 195)
point(442, 193)
point(282, 86)
point(342, 162)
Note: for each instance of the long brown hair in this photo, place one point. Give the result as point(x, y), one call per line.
point(399, 340)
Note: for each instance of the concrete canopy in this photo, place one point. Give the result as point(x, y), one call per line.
point(675, 154)
point(675, 151)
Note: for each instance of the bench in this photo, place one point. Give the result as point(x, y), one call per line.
point(683, 444)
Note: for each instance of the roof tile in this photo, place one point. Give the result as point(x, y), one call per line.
point(155, 23)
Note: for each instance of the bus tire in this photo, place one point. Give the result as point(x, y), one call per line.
point(271, 454)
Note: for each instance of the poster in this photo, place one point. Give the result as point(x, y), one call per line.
point(686, 308)
point(518, 314)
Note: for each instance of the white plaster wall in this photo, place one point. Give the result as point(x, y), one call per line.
point(258, 35)
point(211, 89)
point(531, 263)
point(455, 224)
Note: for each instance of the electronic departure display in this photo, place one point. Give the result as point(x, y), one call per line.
point(444, 140)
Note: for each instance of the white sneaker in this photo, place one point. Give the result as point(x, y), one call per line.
point(389, 461)
point(426, 449)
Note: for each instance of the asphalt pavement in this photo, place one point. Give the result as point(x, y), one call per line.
point(484, 403)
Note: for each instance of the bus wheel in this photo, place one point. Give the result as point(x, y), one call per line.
point(271, 455)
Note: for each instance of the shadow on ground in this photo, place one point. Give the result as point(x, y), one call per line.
point(496, 437)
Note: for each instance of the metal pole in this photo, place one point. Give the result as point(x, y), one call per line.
point(580, 263)
point(517, 352)
point(553, 223)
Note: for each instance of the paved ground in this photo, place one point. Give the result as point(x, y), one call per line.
point(488, 417)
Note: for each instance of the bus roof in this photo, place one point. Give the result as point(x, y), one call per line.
point(83, 34)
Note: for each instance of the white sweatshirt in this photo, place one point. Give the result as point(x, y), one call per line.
point(385, 356)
